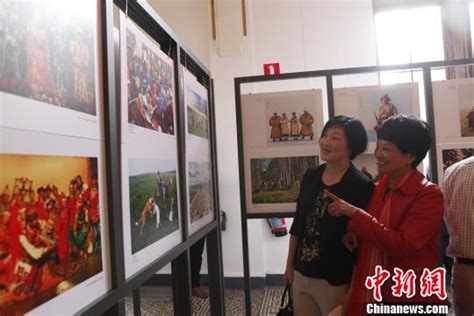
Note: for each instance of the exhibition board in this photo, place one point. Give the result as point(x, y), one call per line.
point(453, 102)
point(92, 179)
point(275, 158)
point(150, 177)
point(54, 208)
point(198, 156)
point(373, 104)
point(366, 99)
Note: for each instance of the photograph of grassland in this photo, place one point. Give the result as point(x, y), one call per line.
point(197, 114)
point(277, 180)
point(200, 203)
point(153, 201)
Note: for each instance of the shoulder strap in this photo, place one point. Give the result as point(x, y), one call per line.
point(286, 292)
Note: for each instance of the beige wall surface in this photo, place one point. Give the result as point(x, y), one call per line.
point(191, 21)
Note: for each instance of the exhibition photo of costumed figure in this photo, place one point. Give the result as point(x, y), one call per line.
point(294, 128)
point(386, 110)
point(50, 235)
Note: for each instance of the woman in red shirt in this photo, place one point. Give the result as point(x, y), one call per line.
point(402, 224)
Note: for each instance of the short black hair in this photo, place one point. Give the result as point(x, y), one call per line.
point(354, 130)
point(410, 134)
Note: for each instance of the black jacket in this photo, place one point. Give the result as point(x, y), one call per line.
point(335, 262)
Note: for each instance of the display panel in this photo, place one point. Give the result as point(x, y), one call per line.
point(54, 241)
point(198, 157)
point(55, 245)
point(279, 129)
point(277, 180)
point(150, 181)
point(153, 200)
point(373, 104)
point(149, 94)
point(49, 67)
point(453, 102)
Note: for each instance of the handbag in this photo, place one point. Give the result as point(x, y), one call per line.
point(288, 309)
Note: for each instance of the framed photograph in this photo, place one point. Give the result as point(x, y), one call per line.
point(373, 104)
point(197, 107)
point(151, 206)
point(274, 182)
point(282, 119)
point(198, 157)
point(454, 110)
point(153, 200)
point(200, 194)
point(49, 67)
point(449, 154)
point(54, 240)
point(367, 163)
point(148, 92)
point(275, 126)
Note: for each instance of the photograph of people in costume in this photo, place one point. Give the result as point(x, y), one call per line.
point(47, 53)
point(294, 127)
point(292, 118)
point(149, 86)
point(277, 180)
point(153, 200)
point(376, 105)
point(199, 182)
point(386, 110)
point(197, 114)
point(50, 232)
point(451, 156)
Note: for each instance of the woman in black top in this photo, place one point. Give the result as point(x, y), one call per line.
point(318, 264)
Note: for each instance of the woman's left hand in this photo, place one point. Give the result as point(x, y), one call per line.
point(339, 207)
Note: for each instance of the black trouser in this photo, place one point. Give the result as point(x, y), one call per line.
point(196, 251)
point(443, 259)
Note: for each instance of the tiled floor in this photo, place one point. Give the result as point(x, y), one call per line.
point(159, 301)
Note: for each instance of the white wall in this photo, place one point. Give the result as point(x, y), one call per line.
point(300, 35)
point(191, 21)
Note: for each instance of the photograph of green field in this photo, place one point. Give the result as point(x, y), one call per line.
point(197, 114)
point(277, 180)
point(153, 201)
point(197, 123)
point(199, 190)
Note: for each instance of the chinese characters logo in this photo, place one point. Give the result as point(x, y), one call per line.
point(431, 283)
